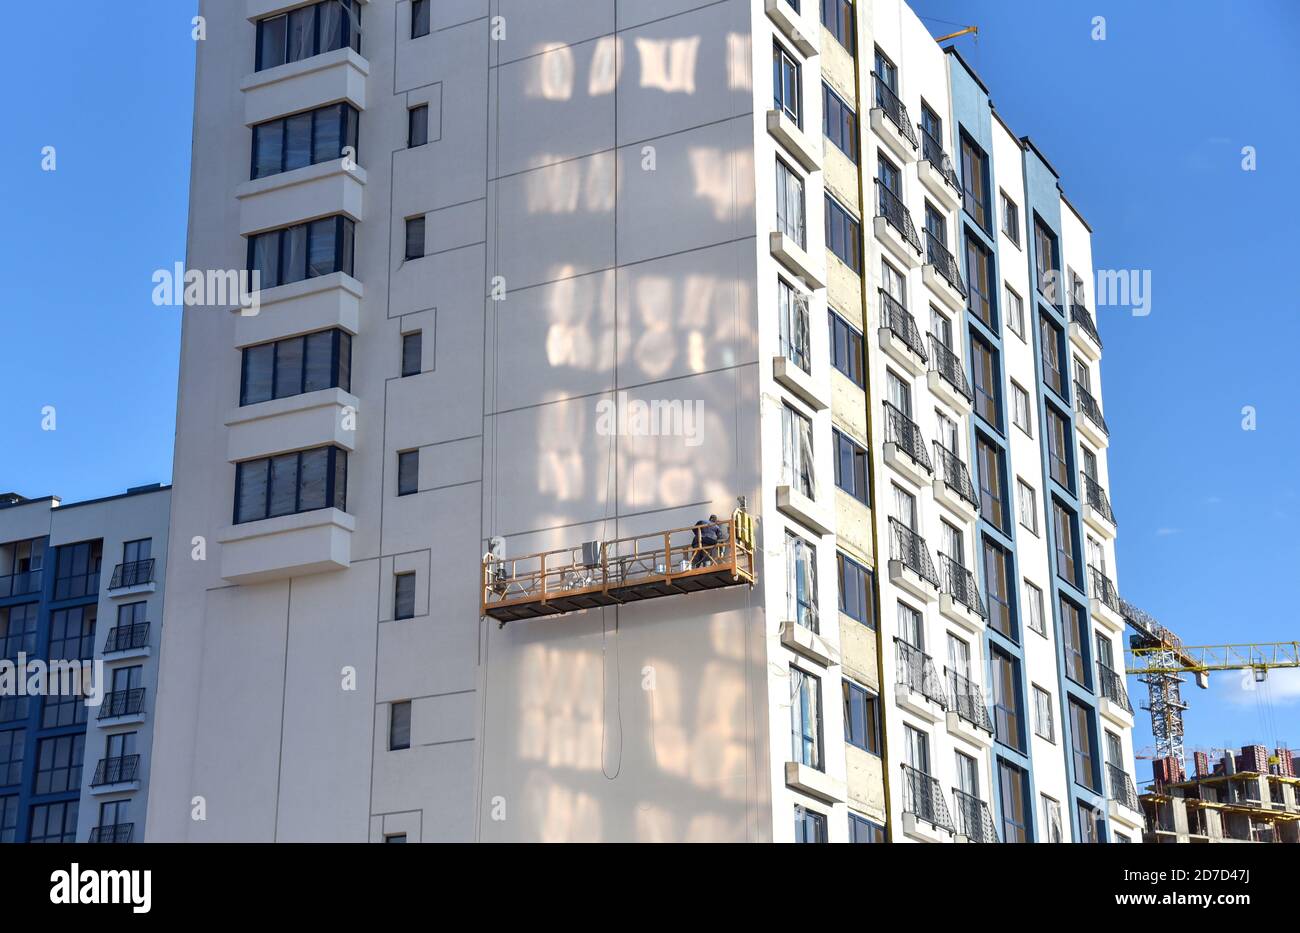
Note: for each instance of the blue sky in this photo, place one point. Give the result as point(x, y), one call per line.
point(1145, 127)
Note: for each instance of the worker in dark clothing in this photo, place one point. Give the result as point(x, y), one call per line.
point(707, 536)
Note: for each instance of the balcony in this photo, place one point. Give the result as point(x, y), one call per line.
point(910, 566)
point(792, 368)
point(786, 16)
point(947, 377)
point(805, 149)
point(942, 275)
point(306, 84)
point(116, 832)
point(127, 641)
point(936, 172)
point(116, 774)
point(891, 123)
point(1096, 507)
point(919, 689)
point(1124, 805)
point(952, 486)
point(286, 546)
point(894, 227)
point(1115, 704)
point(132, 578)
point(905, 448)
point(968, 714)
point(122, 706)
point(974, 821)
point(925, 814)
point(20, 584)
point(959, 597)
point(1092, 425)
point(77, 585)
point(1104, 601)
point(790, 252)
point(1083, 331)
point(899, 336)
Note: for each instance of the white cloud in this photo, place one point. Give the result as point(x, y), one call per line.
point(1240, 689)
point(1166, 532)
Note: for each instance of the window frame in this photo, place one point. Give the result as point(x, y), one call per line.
point(335, 482)
point(845, 123)
point(860, 472)
point(340, 367)
point(349, 136)
point(864, 584)
point(861, 714)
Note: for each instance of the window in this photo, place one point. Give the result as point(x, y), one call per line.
point(979, 281)
point(8, 818)
point(801, 580)
point(1051, 820)
point(304, 139)
point(1027, 505)
point(72, 634)
point(291, 483)
point(993, 502)
point(417, 126)
point(404, 596)
point(412, 349)
point(787, 92)
point(1034, 609)
point(415, 237)
point(840, 123)
point(1007, 727)
point(846, 349)
point(308, 31)
point(997, 575)
point(856, 595)
point(76, 569)
point(395, 839)
point(399, 726)
point(1066, 549)
point(797, 451)
point(1082, 745)
point(863, 830)
point(1020, 409)
point(54, 822)
point(1014, 306)
point(851, 467)
point(58, 764)
point(974, 180)
point(1051, 341)
point(420, 18)
point(1010, 218)
point(837, 17)
point(12, 747)
point(843, 235)
point(1074, 639)
point(1089, 824)
point(861, 718)
point(1058, 448)
point(1012, 783)
point(408, 472)
point(809, 826)
point(790, 204)
point(302, 252)
point(984, 378)
point(1044, 723)
point(806, 718)
point(1045, 262)
point(296, 365)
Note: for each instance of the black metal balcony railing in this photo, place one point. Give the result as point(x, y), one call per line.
point(896, 215)
point(1095, 495)
point(76, 585)
point(954, 474)
point(948, 365)
point(118, 770)
point(1080, 315)
point(20, 584)
point(1090, 408)
point(966, 699)
point(117, 832)
point(122, 703)
point(923, 798)
point(127, 637)
point(1110, 684)
point(133, 573)
point(974, 821)
point(901, 324)
point(1122, 789)
point(932, 152)
point(909, 547)
point(894, 109)
point(959, 583)
point(903, 431)
point(937, 255)
point(917, 672)
point(1101, 587)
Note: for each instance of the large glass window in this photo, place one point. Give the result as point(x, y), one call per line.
point(304, 139)
point(861, 718)
point(979, 281)
point(809, 826)
point(790, 215)
point(837, 17)
point(1008, 724)
point(12, 748)
point(975, 181)
point(787, 91)
point(1058, 448)
point(846, 349)
point(797, 450)
point(806, 718)
point(290, 483)
point(993, 499)
point(997, 577)
point(58, 764)
point(863, 830)
point(54, 822)
point(1051, 350)
point(856, 596)
point(1044, 721)
point(851, 467)
point(1074, 639)
point(72, 634)
point(984, 379)
point(801, 580)
point(296, 365)
point(796, 339)
point(308, 31)
point(1045, 263)
point(843, 235)
point(1083, 745)
point(1066, 544)
point(1013, 785)
point(839, 123)
point(302, 252)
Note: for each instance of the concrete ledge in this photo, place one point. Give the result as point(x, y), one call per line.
point(900, 352)
point(904, 465)
point(1105, 615)
point(788, 374)
point(788, 20)
point(917, 703)
point(905, 577)
point(893, 240)
point(304, 194)
point(1097, 521)
point(937, 184)
point(314, 304)
point(1086, 345)
point(803, 510)
point(1124, 816)
point(922, 831)
point(287, 546)
point(793, 256)
point(962, 614)
point(942, 288)
point(968, 731)
point(947, 497)
point(893, 137)
point(948, 392)
point(814, 783)
point(1114, 712)
point(784, 130)
point(809, 644)
point(299, 422)
point(335, 77)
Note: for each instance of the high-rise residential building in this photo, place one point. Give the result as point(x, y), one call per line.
point(79, 582)
point(544, 286)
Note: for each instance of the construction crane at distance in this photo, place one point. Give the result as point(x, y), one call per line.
point(969, 30)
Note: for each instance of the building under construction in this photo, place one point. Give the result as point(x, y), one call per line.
point(1247, 797)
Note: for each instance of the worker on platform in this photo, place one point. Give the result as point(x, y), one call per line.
point(707, 536)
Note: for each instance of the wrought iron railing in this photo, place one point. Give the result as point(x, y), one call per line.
point(117, 832)
point(966, 699)
point(896, 215)
point(954, 474)
point(903, 431)
point(909, 547)
point(923, 799)
point(937, 255)
point(1122, 789)
point(76, 585)
point(127, 637)
point(948, 365)
point(20, 584)
point(959, 583)
point(1094, 493)
point(932, 152)
point(894, 109)
point(1080, 315)
point(901, 324)
point(1101, 587)
point(1090, 407)
point(1110, 684)
point(974, 821)
point(132, 573)
point(117, 770)
point(917, 672)
point(122, 703)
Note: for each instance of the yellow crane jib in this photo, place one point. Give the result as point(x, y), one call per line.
point(1259, 657)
